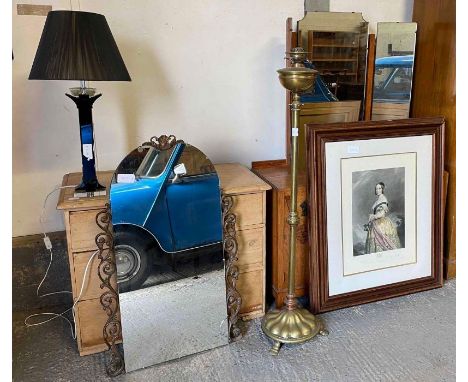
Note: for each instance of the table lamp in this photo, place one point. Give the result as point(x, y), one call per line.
point(79, 46)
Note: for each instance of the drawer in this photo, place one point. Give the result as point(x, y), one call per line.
point(250, 287)
point(83, 230)
point(248, 209)
point(91, 317)
point(250, 246)
point(91, 288)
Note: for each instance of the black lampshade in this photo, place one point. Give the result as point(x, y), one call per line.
point(77, 46)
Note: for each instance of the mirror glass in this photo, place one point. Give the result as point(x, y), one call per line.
point(336, 43)
point(168, 250)
point(394, 61)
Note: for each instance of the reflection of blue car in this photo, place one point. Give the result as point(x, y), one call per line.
point(392, 80)
point(319, 92)
point(172, 207)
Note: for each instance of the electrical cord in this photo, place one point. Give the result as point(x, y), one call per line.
point(61, 315)
point(47, 241)
point(48, 245)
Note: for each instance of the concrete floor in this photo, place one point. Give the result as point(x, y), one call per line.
point(410, 338)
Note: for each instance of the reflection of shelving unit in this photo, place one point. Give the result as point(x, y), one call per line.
point(343, 38)
point(337, 46)
point(335, 54)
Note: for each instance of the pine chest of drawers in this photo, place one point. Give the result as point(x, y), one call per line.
point(248, 193)
point(81, 229)
point(249, 196)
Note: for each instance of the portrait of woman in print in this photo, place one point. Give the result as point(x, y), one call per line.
point(378, 210)
point(382, 234)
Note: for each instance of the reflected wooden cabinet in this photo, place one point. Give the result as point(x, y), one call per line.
point(382, 111)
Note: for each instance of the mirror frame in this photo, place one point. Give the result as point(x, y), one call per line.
point(107, 270)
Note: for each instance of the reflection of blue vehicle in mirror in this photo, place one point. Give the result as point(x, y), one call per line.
point(392, 80)
point(320, 91)
point(171, 209)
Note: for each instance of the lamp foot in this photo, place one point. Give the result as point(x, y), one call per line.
point(89, 189)
point(275, 348)
point(292, 325)
point(324, 332)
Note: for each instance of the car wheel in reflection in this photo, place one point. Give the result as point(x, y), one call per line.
point(133, 260)
point(128, 262)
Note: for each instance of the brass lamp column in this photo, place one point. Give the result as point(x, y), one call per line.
point(293, 324)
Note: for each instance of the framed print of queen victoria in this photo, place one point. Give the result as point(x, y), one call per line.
point(375, 198)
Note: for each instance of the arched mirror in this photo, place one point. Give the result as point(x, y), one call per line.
point(167, 224)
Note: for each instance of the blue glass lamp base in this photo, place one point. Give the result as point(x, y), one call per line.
point(89, 186)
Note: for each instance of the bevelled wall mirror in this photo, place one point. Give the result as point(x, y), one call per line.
point(336, 43)
point(167, 221)
point(393, 78)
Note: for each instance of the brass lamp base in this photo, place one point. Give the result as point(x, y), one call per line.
point(291, 325)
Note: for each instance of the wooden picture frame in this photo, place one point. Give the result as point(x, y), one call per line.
point(327, 290)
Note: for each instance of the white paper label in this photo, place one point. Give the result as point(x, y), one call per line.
point(88, 151)
point(352, 149)
point(125, 178)
point(295, 132)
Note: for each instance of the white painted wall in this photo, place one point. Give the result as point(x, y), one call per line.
point(375, 11)
point(203, 70)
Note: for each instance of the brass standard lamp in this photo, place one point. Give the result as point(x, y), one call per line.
point(293, 324)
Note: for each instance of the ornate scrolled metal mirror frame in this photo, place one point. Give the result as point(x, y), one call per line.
point(107, 270)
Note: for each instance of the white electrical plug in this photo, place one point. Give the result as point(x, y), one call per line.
point(47, 242)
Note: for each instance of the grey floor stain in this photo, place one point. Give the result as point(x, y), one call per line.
point(410, 338)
